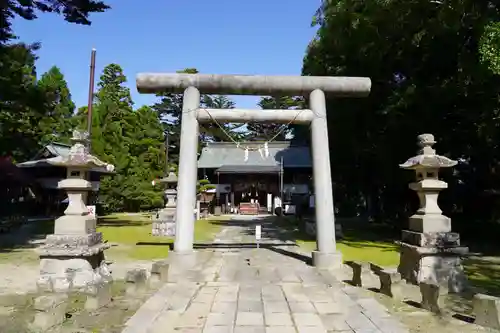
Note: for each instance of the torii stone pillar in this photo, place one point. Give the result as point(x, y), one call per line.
point(326, 255)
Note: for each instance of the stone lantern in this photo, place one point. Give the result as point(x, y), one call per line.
point(164, 221)
point(430, 251)
point(72, 259)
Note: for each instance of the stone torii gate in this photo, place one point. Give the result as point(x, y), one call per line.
point(326, 255)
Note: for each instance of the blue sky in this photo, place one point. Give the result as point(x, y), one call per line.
point(216, 37)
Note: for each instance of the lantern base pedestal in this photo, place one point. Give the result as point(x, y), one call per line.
point(441, 265)
point(73, 263)
point(164, 222)
point(74, 225)
point(430, 223)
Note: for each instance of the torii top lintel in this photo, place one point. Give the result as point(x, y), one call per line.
point(253, 84)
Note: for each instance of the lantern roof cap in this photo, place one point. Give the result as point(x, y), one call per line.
point(79, 155)
point(170, 179)
point(427, 157)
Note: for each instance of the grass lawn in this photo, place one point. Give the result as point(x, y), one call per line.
point(484, 273)
point(132, 233)
point(380, 253)
point(361, 243)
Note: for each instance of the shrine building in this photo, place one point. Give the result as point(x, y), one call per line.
point(251, 178)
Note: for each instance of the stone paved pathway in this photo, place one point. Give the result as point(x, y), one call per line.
point(243, 290)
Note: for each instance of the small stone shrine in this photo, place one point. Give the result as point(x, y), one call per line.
point(164, 220)
point(430, 251)
point(72, 259)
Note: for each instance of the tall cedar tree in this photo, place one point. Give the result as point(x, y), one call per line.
point(58, 122)
point(129, 139)
point(149, 163)
point(21, 102)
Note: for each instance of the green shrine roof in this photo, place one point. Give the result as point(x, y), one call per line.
point(227, 157)
point(52, 150)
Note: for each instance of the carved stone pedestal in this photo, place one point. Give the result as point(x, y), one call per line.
point(164, 222)
point(73, 263)
point(441, 265)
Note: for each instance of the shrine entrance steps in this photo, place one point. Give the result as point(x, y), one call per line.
point(247, 208)
point(239, 289)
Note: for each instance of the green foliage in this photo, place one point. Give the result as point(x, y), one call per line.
point(58, 122)
point(489, 47)
point(427, 77)
point(33, 113)
point(131, 140)
point(21, 102)
point(204, 185)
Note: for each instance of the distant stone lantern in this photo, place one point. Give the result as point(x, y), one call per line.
point(164, 221)
point(429, 250)
point(73, 257)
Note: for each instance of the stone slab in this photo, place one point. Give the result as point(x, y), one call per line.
point(301, 307)
point(50, 311)
point(281, 329)
point(278, 319)
point(487, 311)
point(307, 319)
point(249, 319)
point(182, 260)
point(276, 307)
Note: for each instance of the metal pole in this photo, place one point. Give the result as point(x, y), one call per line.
point(167, 144)
point(217, 193)
point(89, 115)
point(91, 96)
point(281, 183)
